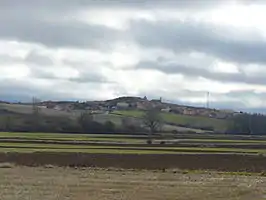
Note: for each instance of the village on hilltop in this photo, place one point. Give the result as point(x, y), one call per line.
point(137, 103)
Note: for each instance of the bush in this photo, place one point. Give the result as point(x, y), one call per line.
point(109, 127)
point(162, 142)
point(149, 141)
point(175, 132)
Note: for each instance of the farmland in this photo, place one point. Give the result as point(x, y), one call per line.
point(95, 149)
point(50, 183)
point(120, 166)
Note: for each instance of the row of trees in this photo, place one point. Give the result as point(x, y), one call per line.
point(251, 124)
point(85, 123)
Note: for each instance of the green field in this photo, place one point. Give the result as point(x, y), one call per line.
point(192, 121)
point(69, 137)
point(111, 149)
point(123, 144)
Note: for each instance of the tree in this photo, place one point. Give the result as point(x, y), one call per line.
point(248, 124)
point(36, 115)
point(35, 107)
point(7, 123)
point(84, 120)
point(152, 120)
point(127, 124)
point(109, 127)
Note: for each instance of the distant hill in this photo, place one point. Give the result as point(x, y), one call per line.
point(174, 114)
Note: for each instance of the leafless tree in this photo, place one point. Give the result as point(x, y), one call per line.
point(7, 123)
point(152, 120)
point(35, 107)
point(36, 117)
point(84, 120)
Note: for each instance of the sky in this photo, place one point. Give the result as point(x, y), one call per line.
point(101, 49)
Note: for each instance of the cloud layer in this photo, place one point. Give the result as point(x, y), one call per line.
point(177, 50)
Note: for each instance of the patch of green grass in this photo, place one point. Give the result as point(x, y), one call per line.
point(89, 139)
point(61, 136)
point(223, 141)
point(196, 121)
point(130, 113)
point(78, 148)
point(64, 135)
point(110, 151)
point(104, 151)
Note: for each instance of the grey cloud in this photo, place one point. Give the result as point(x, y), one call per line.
point(79, 4)
point(48, 27)
point(33, 57)
point(21, 90)
point(61, 34)
point(36, 58)
point(91, 78)
point(84, 77)
point(193, 71)
point(87, 72)
point(39, 72)
point(191, 36)
point(8, 59)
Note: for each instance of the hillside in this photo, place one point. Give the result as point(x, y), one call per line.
point(196, 122)
point(124, 107)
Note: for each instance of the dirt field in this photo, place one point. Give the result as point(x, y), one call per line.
point(219, 162)
point(23, 183)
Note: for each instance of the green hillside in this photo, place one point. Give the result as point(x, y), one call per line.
point(183, 120)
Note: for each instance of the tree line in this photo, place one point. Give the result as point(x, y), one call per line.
point(247, 124)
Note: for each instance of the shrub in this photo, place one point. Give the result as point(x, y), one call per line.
point(149, 141)
point(174, 131)
point(162, 142)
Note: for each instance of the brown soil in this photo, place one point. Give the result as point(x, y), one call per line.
point(120, 144)
point(220, 162)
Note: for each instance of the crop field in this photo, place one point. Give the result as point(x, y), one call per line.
point(106, 166)
point(109, 143)
point(52, 183)
point(197, 151)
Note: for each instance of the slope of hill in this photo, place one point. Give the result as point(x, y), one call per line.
point(183, 120)
point(111, 110)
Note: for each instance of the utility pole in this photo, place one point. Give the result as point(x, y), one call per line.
point(207, 100)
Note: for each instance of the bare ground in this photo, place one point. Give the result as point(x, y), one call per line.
point(219, 162)
point(57, 183)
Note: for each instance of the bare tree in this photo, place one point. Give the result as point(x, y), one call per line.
point(84, 120)
point(35, 107)
point(7, 123)
point(36, 117)
point(152, 120)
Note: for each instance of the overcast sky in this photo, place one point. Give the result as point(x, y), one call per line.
point(101, 49)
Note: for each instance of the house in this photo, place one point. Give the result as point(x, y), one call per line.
point(143, 105)
point(189, 112)
point(122, 105)
point(58, 107)
point(213, 114)
point(221, 115)
point(176, 111)
point(168, 109)
point(99, 112)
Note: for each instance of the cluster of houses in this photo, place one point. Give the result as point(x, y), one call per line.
point(137, 103)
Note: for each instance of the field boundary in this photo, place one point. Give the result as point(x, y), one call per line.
point(218, 162)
